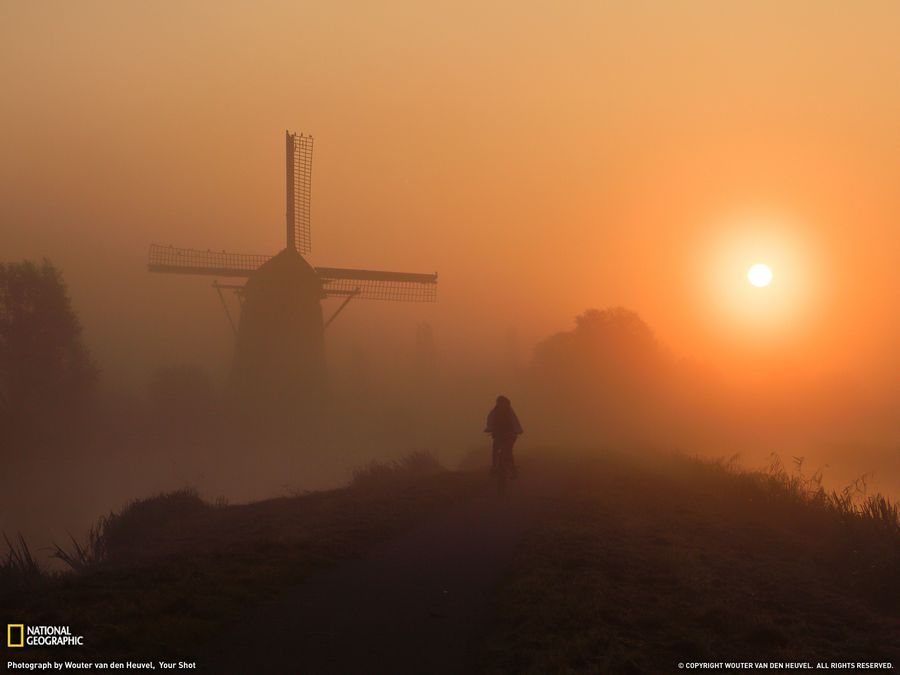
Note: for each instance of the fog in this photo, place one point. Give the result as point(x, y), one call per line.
point(544, 160)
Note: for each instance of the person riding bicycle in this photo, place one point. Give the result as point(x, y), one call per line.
point(504, 428)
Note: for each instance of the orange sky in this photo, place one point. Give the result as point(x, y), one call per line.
point(542, 157)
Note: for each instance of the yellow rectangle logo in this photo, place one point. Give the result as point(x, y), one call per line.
point(15, 635)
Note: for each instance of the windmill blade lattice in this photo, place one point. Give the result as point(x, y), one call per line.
point(212, 263)
point(298, 155)
point(375, 285)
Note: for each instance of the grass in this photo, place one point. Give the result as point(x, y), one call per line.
point(158, 578)
point(856, 534)
point(634, 562)
point(381, 473)
point(643, 561)
point(19, 569)
point(121, 537)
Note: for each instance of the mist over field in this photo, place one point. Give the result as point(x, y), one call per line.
point(604, 382)
point(591, 185)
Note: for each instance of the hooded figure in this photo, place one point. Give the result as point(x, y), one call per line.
point(504, 428)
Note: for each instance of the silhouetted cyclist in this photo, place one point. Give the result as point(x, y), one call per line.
point(504, 428)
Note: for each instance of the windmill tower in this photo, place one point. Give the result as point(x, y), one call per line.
point(280, 336)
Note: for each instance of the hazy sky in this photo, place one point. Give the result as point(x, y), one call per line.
point(543, 157)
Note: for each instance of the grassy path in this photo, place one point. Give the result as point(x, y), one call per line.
point(421, 603)
point(175, 570)
point(637, 564)
point(595, 562)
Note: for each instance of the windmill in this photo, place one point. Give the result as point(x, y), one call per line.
point(280, 342)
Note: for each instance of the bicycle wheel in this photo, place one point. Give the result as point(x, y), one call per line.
point(503, 472)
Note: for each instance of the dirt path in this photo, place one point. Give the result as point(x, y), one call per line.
point(416, 604)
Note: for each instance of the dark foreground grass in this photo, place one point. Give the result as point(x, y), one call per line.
point(633, 563)
point(639, 563)
point(158, 579)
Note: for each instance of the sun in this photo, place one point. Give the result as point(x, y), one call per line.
point(759, 275)
point(760, 278)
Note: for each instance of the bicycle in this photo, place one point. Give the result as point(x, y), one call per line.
point(504, 470)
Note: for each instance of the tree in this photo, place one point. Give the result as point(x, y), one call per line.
point(607, 373)
point(46, 371)
point(614, 343)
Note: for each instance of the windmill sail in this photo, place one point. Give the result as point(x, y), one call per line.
point(375, 285)
point(213, 263)
point(298, 156)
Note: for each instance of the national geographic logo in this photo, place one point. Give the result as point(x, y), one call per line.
point(15, 635)
point(20, 635)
